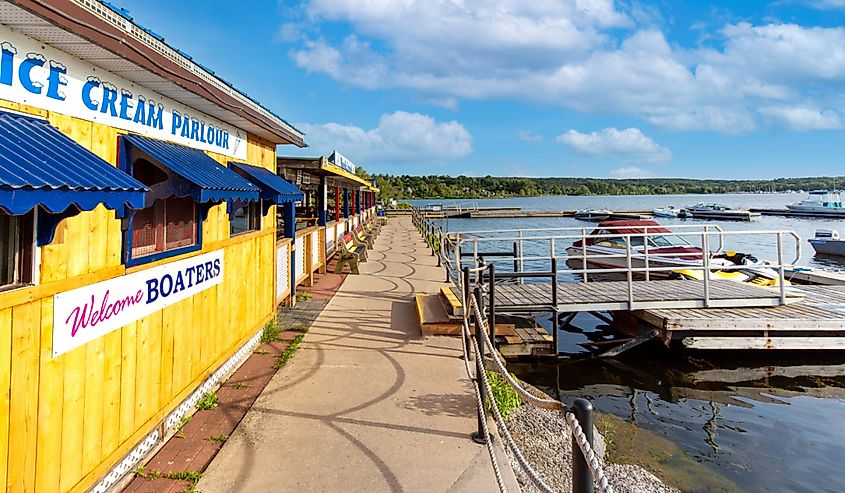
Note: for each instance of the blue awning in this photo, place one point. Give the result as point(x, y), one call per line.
point(214, 182)
point(273, 187)
point(39, 165)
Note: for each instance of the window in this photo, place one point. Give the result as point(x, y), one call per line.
point(245, 217)
point(169, 224)
point(16, 250)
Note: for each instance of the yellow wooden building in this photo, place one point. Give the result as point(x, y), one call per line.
point(138, 238)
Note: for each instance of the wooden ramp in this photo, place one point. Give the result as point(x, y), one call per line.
point(613, 295)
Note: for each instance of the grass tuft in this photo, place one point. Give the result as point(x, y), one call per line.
point(286, 355)
point(239, 385)
point(208, 401)
point(303, 296)
point(218, 439)
point(271, 332)
point(507, 400)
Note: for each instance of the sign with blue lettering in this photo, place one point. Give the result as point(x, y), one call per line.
point(35, 74)
point(90, 312)
point(340, 161)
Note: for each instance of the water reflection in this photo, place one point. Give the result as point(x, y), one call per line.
point(734, 414)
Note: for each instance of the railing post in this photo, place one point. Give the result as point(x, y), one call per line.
point(582, 477)
point(521, 252)
point(630, 273)
point(584, 253)
point(781, 277)
point(440, 248)
point(705, 247)
point(515, 258)
point(555, 321)
point(458, 267)
point(491, 308)
point(478, 435)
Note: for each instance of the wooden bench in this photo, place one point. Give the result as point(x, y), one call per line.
point(372, 227)
point(350, 253)
point(362, 236)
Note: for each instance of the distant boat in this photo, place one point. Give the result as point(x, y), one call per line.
point(827, 242)
point(669, 211)
point(592, 214)
point(820, 202)
point(717, 211)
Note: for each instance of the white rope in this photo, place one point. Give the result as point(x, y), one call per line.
point(532, 473)
point(572, 421)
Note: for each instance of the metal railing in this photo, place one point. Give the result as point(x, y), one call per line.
point(580, 261)
point(586, 467)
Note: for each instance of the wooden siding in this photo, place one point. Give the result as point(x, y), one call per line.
point(65, 421)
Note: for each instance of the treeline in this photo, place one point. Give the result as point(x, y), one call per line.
point(438, 186)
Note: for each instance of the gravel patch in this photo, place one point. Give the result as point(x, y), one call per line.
point(545, 441)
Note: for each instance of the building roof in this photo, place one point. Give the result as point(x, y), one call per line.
point(41, 166)
point(108, 37)
point(320, 166)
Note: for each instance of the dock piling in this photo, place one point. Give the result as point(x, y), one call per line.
point(582, 477)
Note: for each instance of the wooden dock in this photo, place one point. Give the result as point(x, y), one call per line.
point(613, 296)
point(516, 214)
point(789, 213)
point(738, 316)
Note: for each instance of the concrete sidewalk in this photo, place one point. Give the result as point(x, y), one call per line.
point(367, 404)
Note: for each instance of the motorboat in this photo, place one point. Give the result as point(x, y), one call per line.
point(717, 211)
point(827, 242)
point(594, 215)
point(668, 212)
point(651, 243)
point(819, 202)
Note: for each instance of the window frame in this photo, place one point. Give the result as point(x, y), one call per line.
point(255, 207)
point(132, 261)
point(34, 254)
point(200, 211)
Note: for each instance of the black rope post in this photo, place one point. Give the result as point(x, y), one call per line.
point(555, 314)
point(491, 308)
point(515, 257)
point(465, 301)
point(439, 245)
point(478, 436)
point(582, 477)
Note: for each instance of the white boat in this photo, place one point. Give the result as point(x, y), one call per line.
point(605, 248)
point(669, 211)
point(592, 214)
point(717, 211)
point(827, 242)
point(820, 202)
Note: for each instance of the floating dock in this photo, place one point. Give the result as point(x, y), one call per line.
point(790, 213)
point(818, 322)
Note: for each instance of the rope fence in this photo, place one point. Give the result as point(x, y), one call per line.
point(586, 468)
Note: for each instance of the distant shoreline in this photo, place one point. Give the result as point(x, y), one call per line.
point(490, 187)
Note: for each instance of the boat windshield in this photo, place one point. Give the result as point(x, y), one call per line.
point(667, 241)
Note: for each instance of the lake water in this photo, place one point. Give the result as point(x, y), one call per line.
point(741, 421)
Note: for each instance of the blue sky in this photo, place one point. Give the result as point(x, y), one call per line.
point(601, 88)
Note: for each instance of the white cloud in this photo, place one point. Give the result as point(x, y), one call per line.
point(589, 55)
point(400, 138)
point(526, 136)
point(802, 119)
point(611, 143)
point(629, 172)
point(827, 4)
